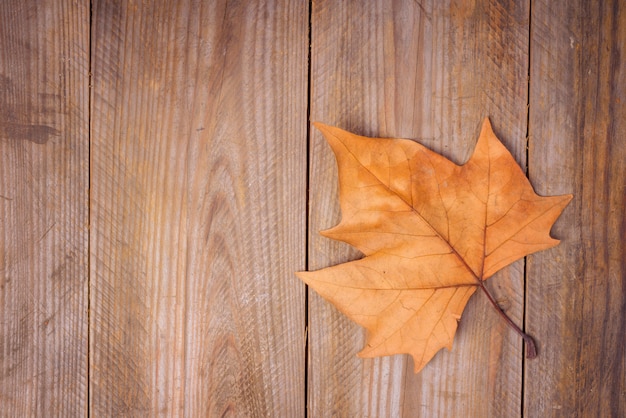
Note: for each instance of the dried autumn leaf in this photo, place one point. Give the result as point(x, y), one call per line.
point(431, 232)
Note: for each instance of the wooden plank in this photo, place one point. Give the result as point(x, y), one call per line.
point(576, 304)
point(198, 208)
point(430, 71)
point(44, 122)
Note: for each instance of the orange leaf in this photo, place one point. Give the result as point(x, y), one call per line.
point(431, 232)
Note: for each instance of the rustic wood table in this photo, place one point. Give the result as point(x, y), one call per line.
point(160, 182)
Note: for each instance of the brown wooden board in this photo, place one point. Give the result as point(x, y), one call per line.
point(430, 71)
point(198, 169)
point(149, 233)
point(44, 146)
point(576, 295)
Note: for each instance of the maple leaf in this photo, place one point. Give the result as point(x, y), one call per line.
point(431, 232)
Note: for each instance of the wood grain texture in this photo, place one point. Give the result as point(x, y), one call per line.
point(430, 71)
point(198, 203)
point(576, 298)
point(44, 122)
point(198, 208)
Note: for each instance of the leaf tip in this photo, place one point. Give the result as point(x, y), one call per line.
point(486, 123)
point(563, 202)
point(329, 233)
point(329, 132)
point(322, 127)
point(486, 129)
point(417, 367)
point(302, 275)
point(366, 352)
point(568, 198)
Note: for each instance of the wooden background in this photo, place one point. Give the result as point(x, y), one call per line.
point(160, 183)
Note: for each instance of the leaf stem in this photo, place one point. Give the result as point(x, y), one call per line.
point(531, 348)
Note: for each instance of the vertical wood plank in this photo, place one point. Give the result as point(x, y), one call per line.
point(44, 147)
point(199, 202)
point(431, 71)
point(576, 298)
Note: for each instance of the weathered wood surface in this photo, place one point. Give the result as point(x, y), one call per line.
point(576, 295)
point(44, 143)
point(432, 72)
point(198, 163)
point(195, 182)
